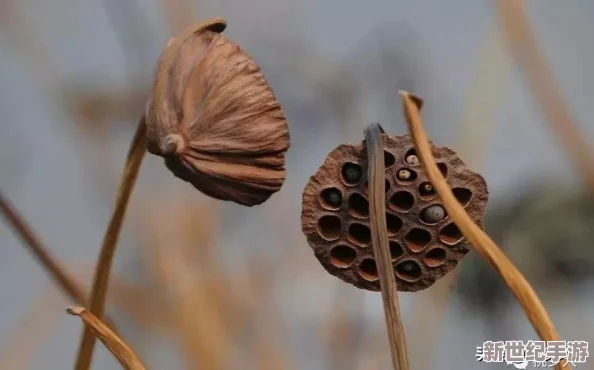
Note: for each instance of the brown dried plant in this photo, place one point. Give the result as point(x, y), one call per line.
point(215, 120)
point(116, 346)
point(518, 285)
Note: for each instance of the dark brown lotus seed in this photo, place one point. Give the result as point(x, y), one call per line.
point(352, 173)
point(433, 214)
point(332, 197)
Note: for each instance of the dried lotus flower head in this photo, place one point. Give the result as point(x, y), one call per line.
point(215, 119)
point(424, 243)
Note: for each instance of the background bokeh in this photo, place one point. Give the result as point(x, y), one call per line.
point(201, 284)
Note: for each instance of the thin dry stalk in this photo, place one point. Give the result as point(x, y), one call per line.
point(50, 264)
point(480, 241)
point(116, 346)
point(104, 263)
point(381, 251)
point(41, 254)
point(531, 60)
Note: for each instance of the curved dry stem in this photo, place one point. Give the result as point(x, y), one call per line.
point(531, 60)
point(104, 263)
point(116, 346)
point(381, 251)
point(481, 242)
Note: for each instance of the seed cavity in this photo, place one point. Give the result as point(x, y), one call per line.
point(450, 234)
point(402, 201)
point(417, 239)
point(359, 234)
point(329, 227)
point(463, 195)
point(342, 256)
point(358, 206)
point(331, 198)
point(351, 173)
point(368, 270)
point(393, 223)
point(435, 257)
point(411, 158)
point(408, 270)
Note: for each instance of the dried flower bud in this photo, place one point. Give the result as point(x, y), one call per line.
point(214, 118)
point(424, 242)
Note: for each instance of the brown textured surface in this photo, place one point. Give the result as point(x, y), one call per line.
point(215, 119)
point(357, 268)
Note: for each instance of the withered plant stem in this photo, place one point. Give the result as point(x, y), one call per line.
point(50, 263)
point(480, 241)
point(105, 261)
point(532, 62)
point(379, 238)
point(116, 346)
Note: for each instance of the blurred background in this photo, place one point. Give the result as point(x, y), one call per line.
point(201, 284)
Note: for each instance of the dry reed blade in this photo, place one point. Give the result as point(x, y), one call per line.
point(480, 241)
point(381, 251)
point(532, 62)
point(104, 263)
point(478, 118)
point(116, 346)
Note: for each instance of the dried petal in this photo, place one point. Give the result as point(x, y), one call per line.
point(215, 119)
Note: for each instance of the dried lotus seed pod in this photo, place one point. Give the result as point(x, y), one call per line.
point(215, 119)
point(424, 242)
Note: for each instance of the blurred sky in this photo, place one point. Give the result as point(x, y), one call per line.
point(44, 171)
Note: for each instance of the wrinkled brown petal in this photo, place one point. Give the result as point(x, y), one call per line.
point(216, 121)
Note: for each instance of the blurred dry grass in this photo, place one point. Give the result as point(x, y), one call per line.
point(222, 318)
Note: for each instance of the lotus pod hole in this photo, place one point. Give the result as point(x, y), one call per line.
point(389, 159)
point(393, 223)
point(406, 175)
point(368, 269)
point(329, 227)
point(424, 245)
point(443, 168)
point(358, 206)
point(433, 214)
point(451, 234)
point(342, 256)
point(402, 201)
point(360, 234)
point(426, 191)
point(463, 195)
point(411, 158)
point(408, 270)
point(417, 239)
point(331, 198)
point(435, 257)
point(396, 250)
point(352, 173)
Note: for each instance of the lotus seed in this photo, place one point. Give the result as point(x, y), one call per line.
point(332, 197)
point(428, 187)
point(404, 174)
point(352, 173)
point(412, 160)
point(433, 214)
